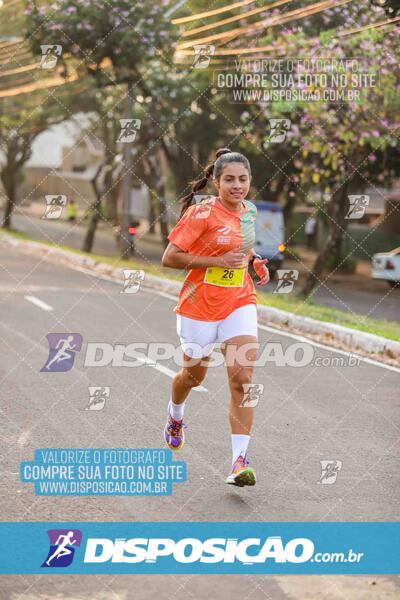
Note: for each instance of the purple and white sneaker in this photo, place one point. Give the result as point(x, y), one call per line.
point(241, 474)
point(174, 434)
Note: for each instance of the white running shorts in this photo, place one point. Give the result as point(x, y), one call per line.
point(198, 337)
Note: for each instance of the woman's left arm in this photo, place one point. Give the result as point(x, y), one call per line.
point(259, 267)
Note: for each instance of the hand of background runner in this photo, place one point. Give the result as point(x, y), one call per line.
point(261, 270)
point(234, 259)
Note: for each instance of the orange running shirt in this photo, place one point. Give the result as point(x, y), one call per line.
point(210, 229)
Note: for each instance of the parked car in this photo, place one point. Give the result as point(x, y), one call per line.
point(270, 234)
point(386, 265)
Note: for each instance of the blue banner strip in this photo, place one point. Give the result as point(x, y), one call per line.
point(196, 548)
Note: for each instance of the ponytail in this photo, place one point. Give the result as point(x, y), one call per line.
point(200, 184)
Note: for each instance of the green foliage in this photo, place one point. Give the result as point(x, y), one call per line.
point(126, 33)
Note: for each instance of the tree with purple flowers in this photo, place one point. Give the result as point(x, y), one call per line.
point(335, 148)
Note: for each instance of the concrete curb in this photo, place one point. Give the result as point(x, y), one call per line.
point(350, 338)
point(329, 333)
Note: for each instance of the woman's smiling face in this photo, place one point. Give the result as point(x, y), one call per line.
point(234, 183)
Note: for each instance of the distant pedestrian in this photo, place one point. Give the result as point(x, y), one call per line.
point(132, 231)
point(71, 211)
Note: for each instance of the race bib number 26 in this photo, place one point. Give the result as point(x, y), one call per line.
point(224, 277)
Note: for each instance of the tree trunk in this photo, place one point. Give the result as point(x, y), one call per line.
point(9, 179)
point(156, 183)
point(94, 216)
point(17, 151)
point(337, 209)
point(154, 177)
point(152, 215)
point(6, 224)
point(110, 188)
point(91, 230)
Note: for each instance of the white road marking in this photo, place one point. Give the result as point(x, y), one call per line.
point(39, 303)
point(166, 371)
point(301, 338)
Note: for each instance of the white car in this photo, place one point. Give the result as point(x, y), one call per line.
point(386, 265)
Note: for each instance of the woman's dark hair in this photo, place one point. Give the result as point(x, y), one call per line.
point(223, 156)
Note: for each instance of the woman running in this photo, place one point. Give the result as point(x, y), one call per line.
point(214, 240)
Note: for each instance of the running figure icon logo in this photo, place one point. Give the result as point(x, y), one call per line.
point(129, 129)
point(50, 55)
point(251, 394)
point(63, 543)
point(204, 199)
point(357, 205)
point(286, 280)
point(329, 471)
point(132, 280)
point(202, 55)
point(279, 129)
point(202, 211)
point(97, 397)
point(62, 348)
point(54, 206)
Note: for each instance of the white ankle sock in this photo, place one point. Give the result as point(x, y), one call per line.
point(239, 445)
point(176, 410)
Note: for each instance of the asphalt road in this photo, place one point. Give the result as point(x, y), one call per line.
point(374, 298)
point(306, 414)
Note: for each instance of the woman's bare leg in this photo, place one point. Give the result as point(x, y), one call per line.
point(240, 372)
point(188, 377)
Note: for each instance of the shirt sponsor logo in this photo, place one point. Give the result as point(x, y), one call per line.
point(223, 239)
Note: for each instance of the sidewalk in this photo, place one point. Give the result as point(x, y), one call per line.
point(35, 210)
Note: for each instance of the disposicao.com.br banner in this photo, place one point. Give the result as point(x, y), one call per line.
point(198, 548)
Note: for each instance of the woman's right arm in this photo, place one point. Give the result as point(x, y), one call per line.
point(175, 258)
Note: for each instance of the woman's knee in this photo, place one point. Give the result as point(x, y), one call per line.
point(192, 377)
point(240, 377)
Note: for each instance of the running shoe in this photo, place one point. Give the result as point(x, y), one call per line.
point(174, 434)
point(241, 474)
